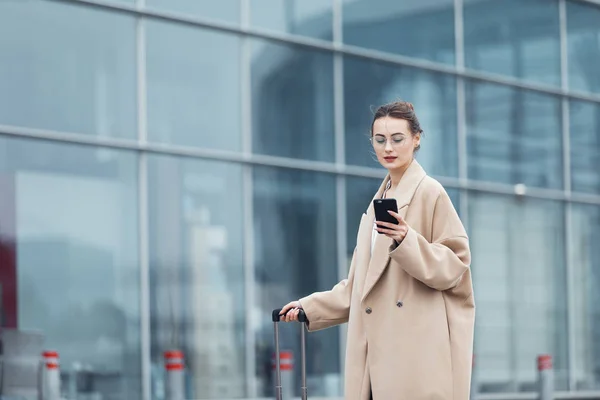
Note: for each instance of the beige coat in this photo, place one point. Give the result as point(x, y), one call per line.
point(410, 309)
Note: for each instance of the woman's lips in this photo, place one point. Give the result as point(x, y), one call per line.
point(389, 159)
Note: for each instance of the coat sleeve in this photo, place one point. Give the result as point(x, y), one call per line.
point(441, 263)
point(332, 307)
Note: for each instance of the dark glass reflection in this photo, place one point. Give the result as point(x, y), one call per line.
point(583, 44)
point(295, 254)
point(298, 17)
point(514, 37)
point(410, 28)
point(292, 102)
point(585, 146)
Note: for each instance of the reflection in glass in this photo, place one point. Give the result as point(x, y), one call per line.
point(359, 193)
point(292, 101)
point(197, 279)
point(583, 44)
point(368, 84)
point(67, 68)
point(518, 263)
point(295, 255)
point(513, 136)
point(298, 17)
point(193, 95)
point(585, 146)
point(227, 10)
point(410, 28)
point(69, 215)
point(514, 37)
point(586, 263)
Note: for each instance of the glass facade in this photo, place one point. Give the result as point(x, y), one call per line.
point(173, 170)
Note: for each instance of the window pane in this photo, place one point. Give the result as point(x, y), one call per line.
point(585, 146)
point(514, 37)
point(518, 255)
point(292, 102)
point(67, 68)
point(193, 96)
point(69, 215)
point(359, 193)
point(415, 29)
point(228, 10)
point(368, 84)
point(295, 255)
point(513, 136)
point(586, 262)
point(197, 275)
point(583, 42)
point(306, 17)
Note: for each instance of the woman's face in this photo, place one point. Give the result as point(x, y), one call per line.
point(393, 142)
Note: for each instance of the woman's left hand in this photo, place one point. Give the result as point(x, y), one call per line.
point(395, 231)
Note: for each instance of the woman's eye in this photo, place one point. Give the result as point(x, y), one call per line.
point(398, 140)
point(380, 140)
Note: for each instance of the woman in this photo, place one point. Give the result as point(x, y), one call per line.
point(408, 298)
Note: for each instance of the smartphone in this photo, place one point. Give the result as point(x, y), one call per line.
point(382, 206)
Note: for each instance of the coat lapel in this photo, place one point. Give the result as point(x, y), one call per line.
point(403, 194)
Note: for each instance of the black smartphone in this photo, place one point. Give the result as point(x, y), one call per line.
point(382, 206)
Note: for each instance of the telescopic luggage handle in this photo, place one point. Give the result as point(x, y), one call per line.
point(304, 321)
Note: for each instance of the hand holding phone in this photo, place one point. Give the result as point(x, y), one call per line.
point(390, 225)
point(382, 206)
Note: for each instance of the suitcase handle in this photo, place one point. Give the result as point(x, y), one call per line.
point(277, 317)
point(304, 322)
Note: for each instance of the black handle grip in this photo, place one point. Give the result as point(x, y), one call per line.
point(277, 317)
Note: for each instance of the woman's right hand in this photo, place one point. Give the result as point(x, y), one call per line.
point(294, 309)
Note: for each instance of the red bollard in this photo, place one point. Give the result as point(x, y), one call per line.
point(286, 365)
point(50, 376)
point(175, 375)
point(545, 377)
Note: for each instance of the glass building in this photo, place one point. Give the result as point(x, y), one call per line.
point(172, 170)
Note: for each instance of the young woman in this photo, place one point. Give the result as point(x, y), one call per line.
point(408, 298)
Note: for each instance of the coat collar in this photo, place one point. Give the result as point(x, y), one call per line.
point(403, 194)
point(406, 188)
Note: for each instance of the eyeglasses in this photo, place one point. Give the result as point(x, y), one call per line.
point(381, 141)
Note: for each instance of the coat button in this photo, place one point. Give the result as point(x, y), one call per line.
point(399, 303)
point(368, 310)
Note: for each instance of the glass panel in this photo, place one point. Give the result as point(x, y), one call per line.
point(518, 253)
point(513, 136)
point(68, 217)
point(299, 17)
point(193, 96)
point(583, 43)
point(228, 10)
point(415, 29)
point(359, 193)
point(197, 274)
point(292, 102)
point(67, 68)
point(514, 37)
point(295, 254)
point(585, 146)
point(586, 307)
point(367, 84)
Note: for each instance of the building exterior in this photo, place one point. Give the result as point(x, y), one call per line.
point(172, 170)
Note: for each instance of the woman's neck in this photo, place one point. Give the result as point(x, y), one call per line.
point(397, 174)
